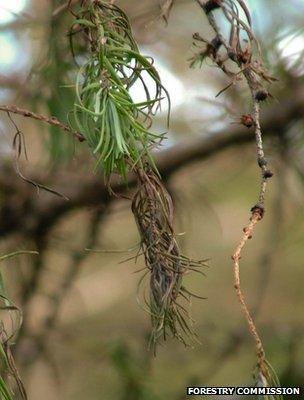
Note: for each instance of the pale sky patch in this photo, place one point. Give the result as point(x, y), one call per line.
point(9, 9)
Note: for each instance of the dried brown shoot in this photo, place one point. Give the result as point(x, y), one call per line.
point(153, 210)
point(248, 232)
point(239, 56)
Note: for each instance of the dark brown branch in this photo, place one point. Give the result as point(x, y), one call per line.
point(28, 214)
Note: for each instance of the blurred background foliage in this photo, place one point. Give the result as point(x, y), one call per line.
point(84, 335)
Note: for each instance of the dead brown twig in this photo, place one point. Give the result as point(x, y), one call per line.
point(257, 215)
point(246, 56)
point(152, 207)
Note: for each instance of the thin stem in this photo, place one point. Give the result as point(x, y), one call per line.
point(43, 118)
point(242, 55)
point(248, 231)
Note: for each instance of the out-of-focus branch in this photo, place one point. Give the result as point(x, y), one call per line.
point(59, 10)
point(276, 228)
point(12, 81)
point(24, 212)
point(76, 261)
point(166, 8)
point(56, 298)
point(237, 338)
